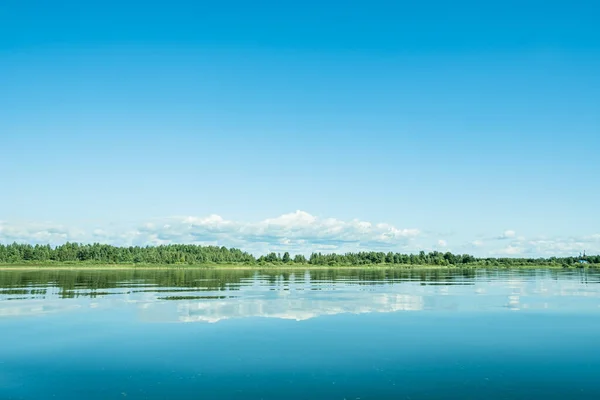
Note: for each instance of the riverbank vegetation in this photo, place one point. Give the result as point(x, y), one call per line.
point(74, 254)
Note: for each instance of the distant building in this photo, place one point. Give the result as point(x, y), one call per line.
point(583, 259)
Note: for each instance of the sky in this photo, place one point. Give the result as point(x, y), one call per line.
point(463, 126)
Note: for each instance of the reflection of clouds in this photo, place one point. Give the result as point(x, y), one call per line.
point(514, 302)
point(517, 285)
point(578, 292)
point(23, 308)
point(443, 290)
point(301, 296)
point(298, 309)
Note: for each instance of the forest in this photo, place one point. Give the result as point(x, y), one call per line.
point(182, 254)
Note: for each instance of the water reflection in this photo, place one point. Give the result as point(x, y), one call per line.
point(296, 309)
point(200, 295)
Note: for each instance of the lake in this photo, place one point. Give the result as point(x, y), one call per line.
point(321, 334)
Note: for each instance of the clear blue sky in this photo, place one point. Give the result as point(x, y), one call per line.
point(461, 119)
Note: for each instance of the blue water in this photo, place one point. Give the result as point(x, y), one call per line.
point(196, 334)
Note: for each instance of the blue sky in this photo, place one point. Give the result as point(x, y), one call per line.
point(295, 125)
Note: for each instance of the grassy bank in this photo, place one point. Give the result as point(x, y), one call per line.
point(273, 266)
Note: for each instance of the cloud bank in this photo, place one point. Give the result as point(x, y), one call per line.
point(297, 232)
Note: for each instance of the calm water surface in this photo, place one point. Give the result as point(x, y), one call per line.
point(198, 334)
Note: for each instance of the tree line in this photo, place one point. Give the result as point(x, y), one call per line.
point(103, 253)
point(195, 254)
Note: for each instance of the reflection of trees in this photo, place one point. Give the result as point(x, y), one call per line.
point(212, 295)
point(72, 283)
point(376, 276)
point(214, 279)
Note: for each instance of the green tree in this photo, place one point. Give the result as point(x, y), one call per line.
point(300, 259)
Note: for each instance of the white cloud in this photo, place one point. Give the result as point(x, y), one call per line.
point(567, 247)
point(298, 231)
point(509, 251)
point(509, 234)
point(544, 246)
point(38, 233)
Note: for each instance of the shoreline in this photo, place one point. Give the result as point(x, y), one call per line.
point(166, 267)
